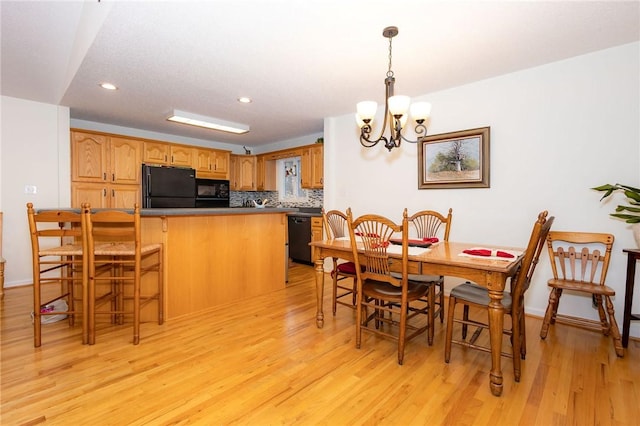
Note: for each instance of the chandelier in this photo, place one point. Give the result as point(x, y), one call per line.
point(395, 111)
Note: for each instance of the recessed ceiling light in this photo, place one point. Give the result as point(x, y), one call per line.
point(208, 122)
point(108, 86)
point(244, 100)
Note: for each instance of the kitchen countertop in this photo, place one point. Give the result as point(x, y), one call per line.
point(214, 211)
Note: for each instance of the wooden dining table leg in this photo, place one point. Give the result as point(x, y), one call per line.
point(496, 323)
point(319, 291)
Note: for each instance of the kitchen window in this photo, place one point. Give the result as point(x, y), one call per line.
point(289, 184)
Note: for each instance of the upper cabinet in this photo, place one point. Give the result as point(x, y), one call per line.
point(265, 173)
point(211, 163)
point(167, 154)
point(312, 165)
point(105, 170)
point(243, 172)
point(100, 158)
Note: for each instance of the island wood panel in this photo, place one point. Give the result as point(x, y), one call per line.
point(211, 260)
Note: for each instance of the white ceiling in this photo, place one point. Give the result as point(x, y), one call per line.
point(300, 60)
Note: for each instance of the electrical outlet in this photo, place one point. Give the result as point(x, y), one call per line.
point(30, 189)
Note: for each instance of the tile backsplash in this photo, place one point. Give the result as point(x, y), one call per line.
point(314, 198)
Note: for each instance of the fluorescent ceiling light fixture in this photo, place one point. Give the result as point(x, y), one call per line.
point(244, 100)
point(208, 122)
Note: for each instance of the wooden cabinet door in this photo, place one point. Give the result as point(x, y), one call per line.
point(202, 162)
point(317, 167)
point(125, 161)
point(306, 165)
point(246, 173)
point(124, 196)
point(155, 153)
point(181, 156)
point(233, 172)
point(260, 172)
point(312, 165)
point(88, 157)
point(93, 193)
point(316, 233)
point(220, 164)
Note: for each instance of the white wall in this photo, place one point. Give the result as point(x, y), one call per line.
point(35, 151)
point(556, 131)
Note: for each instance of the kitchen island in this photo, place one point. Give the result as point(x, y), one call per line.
point(216, 256)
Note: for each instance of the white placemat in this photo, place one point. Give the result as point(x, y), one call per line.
point(493, 256)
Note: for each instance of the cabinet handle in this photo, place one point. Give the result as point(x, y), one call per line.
point(113, 193)
point(172, 158)
point(113, 177)
point(104, 192)
point(104, 176)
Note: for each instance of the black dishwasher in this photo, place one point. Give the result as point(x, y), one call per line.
point(300, 234)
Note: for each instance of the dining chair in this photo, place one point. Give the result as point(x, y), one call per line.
point(377, 289)
point(579, 262)
point(430, 226)
point(335, 224)
point(117, 262)
point(470, 294)
point(57, 249)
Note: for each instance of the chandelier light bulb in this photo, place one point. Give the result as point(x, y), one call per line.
point(359, 121)
point(367, 110)
point(398, 105)
point(420, 110)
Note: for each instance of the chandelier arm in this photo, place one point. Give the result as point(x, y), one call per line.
point(421, 131)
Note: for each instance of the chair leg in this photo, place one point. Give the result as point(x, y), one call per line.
point(334, 298)
point(449, 336)
point(549, 315)
point(615, 332)
point(359, 321)
point(465, 317)
point(604, 323)
point(523, 333)
point(431, 298)
point(515, 344)
point(136, 305)
point(160, 289)
point(403, 333)
point(441, 286)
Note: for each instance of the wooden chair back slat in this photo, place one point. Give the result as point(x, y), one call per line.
point(592, 265)
point(335, 223)
point(427, 224)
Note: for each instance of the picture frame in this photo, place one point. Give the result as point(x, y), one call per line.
point(454, 160)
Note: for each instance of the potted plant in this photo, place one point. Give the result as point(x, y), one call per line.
point(630, 214)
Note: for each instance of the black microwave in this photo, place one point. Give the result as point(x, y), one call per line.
point(212, 193)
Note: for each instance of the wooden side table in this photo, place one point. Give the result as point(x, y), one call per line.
point(633, 255)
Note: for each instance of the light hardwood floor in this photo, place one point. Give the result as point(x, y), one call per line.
point(265, 362)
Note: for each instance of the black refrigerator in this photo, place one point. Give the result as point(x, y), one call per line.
point(166, 187)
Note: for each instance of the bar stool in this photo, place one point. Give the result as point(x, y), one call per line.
point(57, 250)
point(117, 261)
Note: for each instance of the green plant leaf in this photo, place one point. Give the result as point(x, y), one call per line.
point(627, 217)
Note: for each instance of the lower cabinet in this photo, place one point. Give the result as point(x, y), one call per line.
point(316, 234)
point(101, 195)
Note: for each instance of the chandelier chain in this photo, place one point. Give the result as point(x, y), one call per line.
point(390, 72)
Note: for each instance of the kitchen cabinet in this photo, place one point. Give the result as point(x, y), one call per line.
point(155, 153)
point(312, 165)
point(211, 163)
point(243, 172)
point(167, 154)
point(105, 195)
point(105, 170)
point(316, 233)
point(265, 173)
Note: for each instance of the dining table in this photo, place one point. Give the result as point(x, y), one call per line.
point(444, 258)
